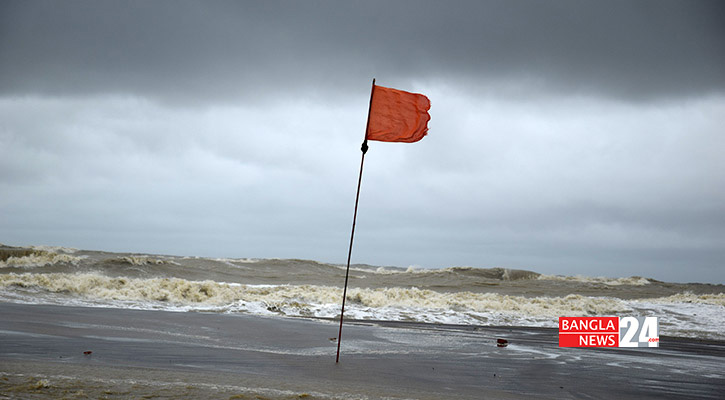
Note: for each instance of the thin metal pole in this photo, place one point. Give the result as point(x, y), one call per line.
point(364, 150)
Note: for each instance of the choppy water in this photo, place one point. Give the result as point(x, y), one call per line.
point(458, 295)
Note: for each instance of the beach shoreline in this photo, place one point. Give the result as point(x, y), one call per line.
point(136, 353)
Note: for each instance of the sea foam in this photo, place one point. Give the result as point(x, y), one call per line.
point(304, 297)
point(632, 280)
point(305, 288)
point(396, 303)
point(40, 258)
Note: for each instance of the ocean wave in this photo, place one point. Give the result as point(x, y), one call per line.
point(682, 314)
point(632, 280)
point(55, 249)
point(686, 314)
point(716, 299)
point(504, 274)
point(39, 258)
point(307, 299)
point(141, 260)
point(234, 260)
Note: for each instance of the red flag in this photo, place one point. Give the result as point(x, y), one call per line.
point(397, 116)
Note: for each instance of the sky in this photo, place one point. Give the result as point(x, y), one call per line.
point(566, 137)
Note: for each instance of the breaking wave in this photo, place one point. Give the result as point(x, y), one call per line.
point(141, 260)
point(690, 298)
point(504, 274)
point(55, 249)
point(323, 301)
point(37, 258)
point(304, 299)
point(306, 288)
point(632, 280)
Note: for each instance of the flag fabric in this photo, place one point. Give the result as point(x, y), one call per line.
point(393, 116)
point(397, 116)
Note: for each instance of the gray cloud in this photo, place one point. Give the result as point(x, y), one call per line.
point(189, 51)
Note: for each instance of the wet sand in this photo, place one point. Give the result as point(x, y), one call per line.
point(162, 354)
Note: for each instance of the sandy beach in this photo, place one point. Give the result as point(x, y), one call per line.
point(159, 354)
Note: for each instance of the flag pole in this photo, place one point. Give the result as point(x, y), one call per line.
point(364, 150)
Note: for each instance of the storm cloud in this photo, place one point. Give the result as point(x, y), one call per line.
point(567, 137)
point(223, 49)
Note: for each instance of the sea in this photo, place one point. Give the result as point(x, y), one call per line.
point(310, 289)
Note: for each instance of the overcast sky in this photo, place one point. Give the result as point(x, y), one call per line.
point(566, 137)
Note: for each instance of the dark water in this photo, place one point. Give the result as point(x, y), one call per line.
point(289, 287)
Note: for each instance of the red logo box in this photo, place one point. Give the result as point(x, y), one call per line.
point(588, 331)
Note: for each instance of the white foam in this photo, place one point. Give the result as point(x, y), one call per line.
point(40, 258)
point(632, 280)
point(684, 314)
point(680, 315)
point(145, 260)
point(55, 249)
point(310, 300)
point(231, 261)
point(717, 299)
